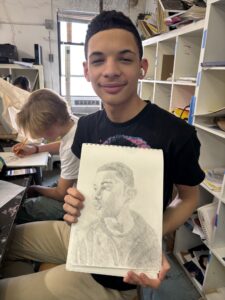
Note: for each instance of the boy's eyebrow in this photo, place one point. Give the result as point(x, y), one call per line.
point(96, 53)
point(125, 51)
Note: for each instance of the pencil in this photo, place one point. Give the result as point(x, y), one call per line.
point(21, 146)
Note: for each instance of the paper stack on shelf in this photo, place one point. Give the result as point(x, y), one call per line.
point(194, 13)
point(194, 225)
point(214, 178)
point(207, 218)
point(211, 64)
point(152, 24)
point(147, 27)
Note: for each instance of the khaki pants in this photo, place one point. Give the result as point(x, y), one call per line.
point(47, 241)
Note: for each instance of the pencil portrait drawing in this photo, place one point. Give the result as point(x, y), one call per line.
point(119, 236)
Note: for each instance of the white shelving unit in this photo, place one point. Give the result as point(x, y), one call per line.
point(35, 74)
point(172, 57)
point(210, 96)
point(192, 45)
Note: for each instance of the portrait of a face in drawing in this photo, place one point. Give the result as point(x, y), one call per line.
point(119, 237)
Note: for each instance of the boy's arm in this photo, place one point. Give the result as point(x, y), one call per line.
point(29, 149)
point(52, 148)
point(181, 208)
point(58, 192)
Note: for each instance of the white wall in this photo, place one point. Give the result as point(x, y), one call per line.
point(22, 24)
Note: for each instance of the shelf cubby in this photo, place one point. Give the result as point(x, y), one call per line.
point(215, 276)
point(215, 42)
point(165, 59)
point(181, 96)
point(35, 74)
point(162, 95)
point(187, 54)
point(219, 239)
point(212, 153)
point(147, 90)
point(149, 52)
point(211, 91)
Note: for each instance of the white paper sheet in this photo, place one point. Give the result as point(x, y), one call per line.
point(120, 227)
point(8, 191)
point(34, 160)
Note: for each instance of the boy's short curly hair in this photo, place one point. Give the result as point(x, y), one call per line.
point(112, 19)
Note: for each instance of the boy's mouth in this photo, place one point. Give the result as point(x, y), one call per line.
point(112, 88)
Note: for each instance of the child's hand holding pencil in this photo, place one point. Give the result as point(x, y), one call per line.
point(21, 149)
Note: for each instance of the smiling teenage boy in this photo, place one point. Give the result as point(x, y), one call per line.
point(113, 65)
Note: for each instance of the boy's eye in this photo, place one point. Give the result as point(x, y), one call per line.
point(97, 61)
point(125, 59)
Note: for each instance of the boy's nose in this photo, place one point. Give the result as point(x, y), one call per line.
point(111, 69)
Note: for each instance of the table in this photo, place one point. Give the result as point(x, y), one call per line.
point(8, 214)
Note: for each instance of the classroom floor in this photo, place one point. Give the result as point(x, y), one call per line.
point(177, 286)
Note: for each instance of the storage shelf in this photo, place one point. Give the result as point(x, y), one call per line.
point(164, 81)
point(184, 83)
point(218, 294)
point(213, 68)
point(194, 281)
point(178, 55)
point(220, 254)
point(211, 129)
point(35, 74)
point(147, 80)
point(174, 33)
point(215, 194)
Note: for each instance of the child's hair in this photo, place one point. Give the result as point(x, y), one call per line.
point(22, 82)
point(112, 20)
point(43, 109)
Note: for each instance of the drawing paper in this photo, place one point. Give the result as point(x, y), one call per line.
point(34, 160)
point(120, 227)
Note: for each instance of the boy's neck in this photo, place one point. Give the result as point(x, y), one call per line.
point(123, 113)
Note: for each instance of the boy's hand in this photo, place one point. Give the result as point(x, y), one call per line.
point(144, 280)
point(72, 206)
point(23, 150)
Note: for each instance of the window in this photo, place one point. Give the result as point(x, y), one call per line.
point(73, 85)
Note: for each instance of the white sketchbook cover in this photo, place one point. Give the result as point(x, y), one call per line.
point(207, 217)
point(34, 160)
point(120, 227)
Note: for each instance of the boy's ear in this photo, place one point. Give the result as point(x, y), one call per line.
point(143, 68)
point(85, 67)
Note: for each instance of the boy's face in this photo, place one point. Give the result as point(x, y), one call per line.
point(51, 134)
point(113, 66)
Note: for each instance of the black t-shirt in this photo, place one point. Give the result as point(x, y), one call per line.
point(154, 128)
